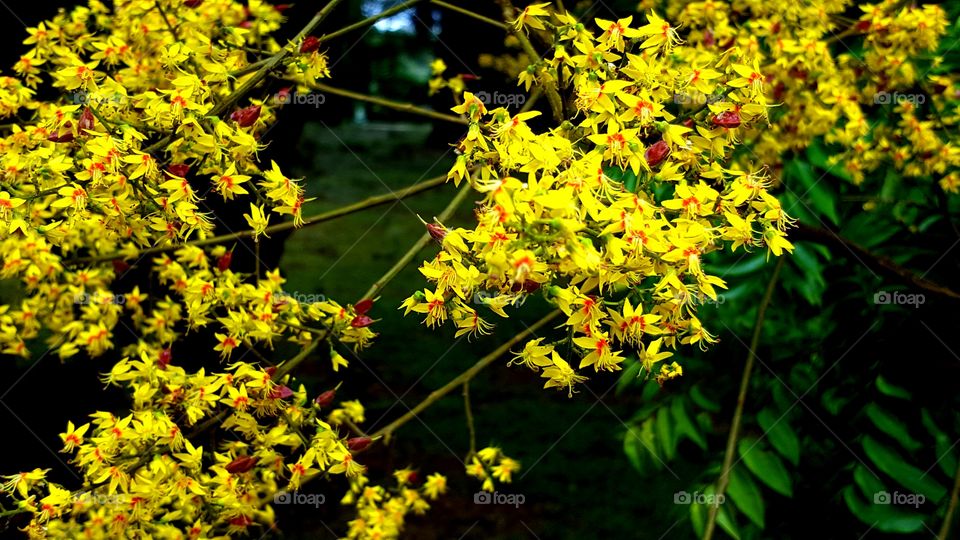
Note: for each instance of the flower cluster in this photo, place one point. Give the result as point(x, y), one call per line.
point(882, 103)
point(489, 464)
point(609, 215)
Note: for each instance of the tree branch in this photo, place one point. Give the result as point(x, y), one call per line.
point(741, 401)
point(876, 262)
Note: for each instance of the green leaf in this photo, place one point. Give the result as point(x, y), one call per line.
point(812, 187)
point(727, 524)
point(882, 517)
point(702, 400)
point(629, 376)
point(746, 496)
point(892, 426)
point(780, 435)
point(685, 426)
point(908, 476)
point(665, 434)
point(766, 466)
point(869, 484)
point(888, 389)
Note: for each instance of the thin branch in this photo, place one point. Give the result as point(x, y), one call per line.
point(466, 376)
point(951, 508)
point(876, 262)
point(468, 412)
point(469, 13)
point(741, 400)
point(397, 105)
point(553, 97)
point(371, 20)
point(419, 245)
point(369, 202)
point(273, 61)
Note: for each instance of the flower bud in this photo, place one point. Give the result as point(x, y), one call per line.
point(727, 119)
point(363, 306)
point(310, 44)
point(192, 3)
point(179, 169)
point(437, 232)
point(87, 120)
point(247, 116)
point(223, 262)
point(241, 465)
point(281, 392)
point(120, 266)
point(361, 321)
point(165, 356)
point(357, 444)
point(656, 153)
point(325, 399)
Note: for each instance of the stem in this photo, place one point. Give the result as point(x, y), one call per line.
point(466, 376)
point(471, 429)
point(397, 105)
point(878, 262)
point(369, 202)
point(272, 62)
point(370, 20)
point(415, 248)
point(951, 508)
point(469, 13)
point(553, 97)
point(741, 400)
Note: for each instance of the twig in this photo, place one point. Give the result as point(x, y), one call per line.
point(553, 97)
point(397, 105)
point(415, 248)
point(469, 13)
point(951, 508)
point(468, 412)
point(466, 376)
point(369, 202)
point(741, 400)
point(877, 262)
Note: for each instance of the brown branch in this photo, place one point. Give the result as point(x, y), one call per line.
point(876, 262)
point(741, 401)
point(396, 105)
point(369, 202)
point(553, 97)
point(466, 376)
point(951, 508)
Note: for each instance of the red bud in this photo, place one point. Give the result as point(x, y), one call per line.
point(120, 266)
point(657, 153)
point(727, 119)
point(361, 321)
point(436, 232)
point(179, 169)
point(192, 3)
point(281, 392)
point(247, 116)
point(241, 465)
point(241, 521)
point(165, 356)
point(325, 399)
point(309, 44)
point(271, 370)
point(223, 262)
point(282, 7)
point(357, 444)
point(363, 306)
point(87, 120)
